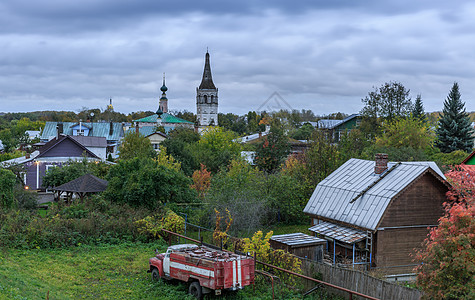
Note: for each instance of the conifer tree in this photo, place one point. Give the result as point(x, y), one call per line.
point(418, 109)
point(454, 131)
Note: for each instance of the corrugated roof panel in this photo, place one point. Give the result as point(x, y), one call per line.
point(338, 232)
point(297, 239)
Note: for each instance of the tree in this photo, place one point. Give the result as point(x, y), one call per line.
point(304, 132)
point(286, 199)
point(216, 148)
point(454, 131)
point(395, 100)
point(201, 181)
point(144, 182)
point(135, 145)
point(273, 150)
point(418, 109)
point(389, 101)
point(241, 191)
point(352, 144)
point(405, 132)
point(448, 256)
point(7, 185)
point(179, 145)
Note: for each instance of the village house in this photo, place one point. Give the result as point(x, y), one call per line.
point(334, 129)
point(376, 213)
point(151, 133)
point(56, 153)
point(113, 132)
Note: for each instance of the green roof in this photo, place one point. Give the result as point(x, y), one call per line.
point(166, 118)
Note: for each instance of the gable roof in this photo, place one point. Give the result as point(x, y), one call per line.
point(330, 123)
point(55, 142)
point(85, 184)
point(90, 141)
point(166, 118)
point(146, 131)
point(98, 129)
point(338, 197)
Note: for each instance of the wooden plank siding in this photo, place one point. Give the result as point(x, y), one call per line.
point(421, 204)
point(395, 247)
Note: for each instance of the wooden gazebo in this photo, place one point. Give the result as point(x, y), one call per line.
point(82, 186)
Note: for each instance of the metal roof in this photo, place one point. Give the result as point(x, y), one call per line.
point(297, 239)
point(339, 233)
point(100, 129)
point(146, 131)
point(331, 123)
point(332, 197)
point(90, 141)
point(166, 118)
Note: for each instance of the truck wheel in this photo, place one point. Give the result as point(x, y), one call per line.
point(195, 290)
point(155, 274)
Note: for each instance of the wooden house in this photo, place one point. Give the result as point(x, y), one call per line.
point(150, 132)
point(335, 128)
point(113, 132)
point(377, 213)
point(56, 153)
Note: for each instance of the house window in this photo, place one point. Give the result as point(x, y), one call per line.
point(156, 146)
point(50, 167)
point(80, 132)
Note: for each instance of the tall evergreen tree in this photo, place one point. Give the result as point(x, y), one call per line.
point(454, 131)
point(418, 109)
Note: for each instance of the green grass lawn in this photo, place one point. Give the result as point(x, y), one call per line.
point(108, 272)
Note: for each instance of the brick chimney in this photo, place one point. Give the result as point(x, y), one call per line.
point(381, 165)
point(59, 130)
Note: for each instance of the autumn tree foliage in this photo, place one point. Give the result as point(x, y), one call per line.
point(448, 257)
point(201, 181)
point(270, 154)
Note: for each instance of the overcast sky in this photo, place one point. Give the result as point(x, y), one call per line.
point(320, 55)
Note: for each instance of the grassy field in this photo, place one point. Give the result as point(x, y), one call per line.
point(108, 272)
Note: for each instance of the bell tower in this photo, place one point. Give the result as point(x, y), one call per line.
point(163, 102)
point(207, 98)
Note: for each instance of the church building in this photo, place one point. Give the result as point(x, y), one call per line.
point(161, 117)
point(207, 98)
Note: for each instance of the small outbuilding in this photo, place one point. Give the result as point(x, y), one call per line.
point(299, 244)
point(86, 184)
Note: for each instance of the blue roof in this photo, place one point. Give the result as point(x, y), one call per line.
point(145, 130)
point(100, 129)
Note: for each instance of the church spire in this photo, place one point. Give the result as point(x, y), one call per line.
point(163, 103)
point(207, 81)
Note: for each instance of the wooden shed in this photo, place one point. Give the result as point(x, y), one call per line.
point(299, 244)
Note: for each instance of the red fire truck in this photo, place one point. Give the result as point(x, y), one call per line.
point(204, 268)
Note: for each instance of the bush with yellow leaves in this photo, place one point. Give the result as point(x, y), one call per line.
point(259, 244)
point(153, 225)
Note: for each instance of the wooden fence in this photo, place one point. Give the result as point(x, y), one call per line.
point(357, 281)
